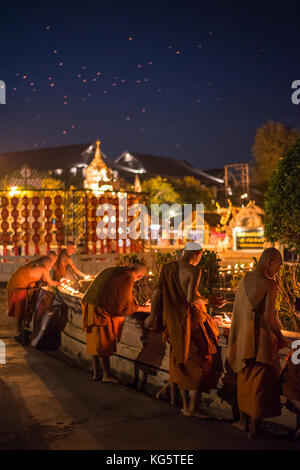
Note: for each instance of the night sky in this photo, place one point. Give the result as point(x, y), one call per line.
point(189, 79)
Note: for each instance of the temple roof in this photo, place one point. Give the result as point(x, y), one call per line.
point(153, 165)
point(127, 164)
point(67, 156)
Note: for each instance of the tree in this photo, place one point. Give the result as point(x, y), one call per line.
point(159, 191)
point(271, 142)
point(52, 183)
point(282, 203)
point(191, 191)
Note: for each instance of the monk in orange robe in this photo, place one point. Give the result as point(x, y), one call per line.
point(254, 341)
point(105, 305)
point(192, 333)
point(41, 259)
point(64, 260)
point(24, 278)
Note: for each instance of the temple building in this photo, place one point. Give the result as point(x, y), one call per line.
point(132, 166)
point(98, 176)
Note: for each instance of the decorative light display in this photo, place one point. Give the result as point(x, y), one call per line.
point(48, 223)
point(25, 224)
point(5, 225)
point(15, 225)
point(36, 224)
point(101, 201)
point(93, 224)
point(59, 235)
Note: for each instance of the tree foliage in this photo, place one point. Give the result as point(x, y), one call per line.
point(159, 191)
point(192, 192)
point(271, 142)
point(282, 203)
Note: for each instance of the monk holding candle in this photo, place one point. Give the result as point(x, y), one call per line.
point(64, 260)
point(192, 334)
point(254, 341)
point(105, 305)
point(18, 287)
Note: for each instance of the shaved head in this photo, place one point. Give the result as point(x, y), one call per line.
point(138, 266)
point(269, 255)
point(192, 253)
point(138, 269)
point(270, 262)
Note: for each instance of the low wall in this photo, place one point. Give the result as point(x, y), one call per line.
point(142, 358)
point(8, 264)
point(89, 264)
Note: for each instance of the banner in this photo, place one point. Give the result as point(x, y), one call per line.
point(249, 238)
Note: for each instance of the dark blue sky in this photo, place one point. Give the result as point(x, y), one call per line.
point(190, 79)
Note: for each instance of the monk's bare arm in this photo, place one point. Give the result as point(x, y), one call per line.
point(156, 303)
point(269, 313)
point(46, 277)
point(70, 262)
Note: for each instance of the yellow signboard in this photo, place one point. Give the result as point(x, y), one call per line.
point(249, 238)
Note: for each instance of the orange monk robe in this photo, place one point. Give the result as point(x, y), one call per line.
point(105, 305)
point(17, 289)
point(192, 335)
point(253, 355)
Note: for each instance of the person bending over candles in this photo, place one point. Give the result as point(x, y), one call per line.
point(192, 334)
point(106, 303)
point(24, 278)
point(52, 256)
point(64, 261)
point(254, 341)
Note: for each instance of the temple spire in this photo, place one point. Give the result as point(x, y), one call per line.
point(137, 184)
point(97, 171)
point(98, 157)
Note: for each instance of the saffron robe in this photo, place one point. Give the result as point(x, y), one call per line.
point(24, 278)
point(253, 355)
point(107, 302)
point(192, 334)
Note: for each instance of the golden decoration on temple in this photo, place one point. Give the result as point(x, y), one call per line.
point(137, 184)
point(97, 172)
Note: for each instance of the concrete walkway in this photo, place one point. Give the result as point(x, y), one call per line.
point(47, 404)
